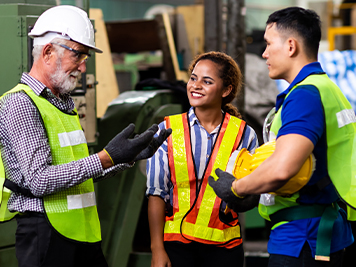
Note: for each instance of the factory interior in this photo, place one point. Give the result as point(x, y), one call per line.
point(141, 77)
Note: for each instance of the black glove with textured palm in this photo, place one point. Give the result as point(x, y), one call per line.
point(154, 145)
point(121, 149)
point(222, 186)
point(244, 204)
point(223, 189)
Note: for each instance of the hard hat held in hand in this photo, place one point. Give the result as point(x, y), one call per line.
point(242, 164)
point(69, 21)
point(246, 163)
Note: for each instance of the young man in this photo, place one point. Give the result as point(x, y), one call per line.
point(45, 154)
point(314, 117)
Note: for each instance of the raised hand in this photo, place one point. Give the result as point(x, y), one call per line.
point(121, 149)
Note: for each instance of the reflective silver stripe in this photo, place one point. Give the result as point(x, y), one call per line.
point(6, 190)
point(345, 117)
point(72, 138)
point(267, 199)
point(81, 201)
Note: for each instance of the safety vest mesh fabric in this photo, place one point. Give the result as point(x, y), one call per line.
point(72, 212)
point(5, 214)
point(340, 124)
point(200, 222)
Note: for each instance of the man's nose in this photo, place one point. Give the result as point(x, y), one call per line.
point(82, 67)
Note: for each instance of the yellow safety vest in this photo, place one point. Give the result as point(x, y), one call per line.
point(72, 212)
point(340, 124)
point(5, 214)
point(340, 121)
point(196, 214)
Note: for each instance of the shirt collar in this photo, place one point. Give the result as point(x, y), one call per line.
point(193, 119)
point(36, 86)
point(311, 68)
point(64, 103)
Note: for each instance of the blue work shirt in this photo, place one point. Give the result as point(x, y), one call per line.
point(302, 113)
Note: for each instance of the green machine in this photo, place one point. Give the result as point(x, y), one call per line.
point(17, 18)
point(121, 199)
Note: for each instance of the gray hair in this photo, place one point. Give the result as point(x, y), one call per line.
point(37, 49)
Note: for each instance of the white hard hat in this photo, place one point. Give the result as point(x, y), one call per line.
point(70, 22)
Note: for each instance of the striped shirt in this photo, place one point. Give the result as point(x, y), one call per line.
point(26, 152)
point(157, 169)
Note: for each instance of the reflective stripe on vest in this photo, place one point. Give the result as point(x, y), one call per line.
point(340, 123)
point(72, 212)
point(5, 214)
point(202, 223)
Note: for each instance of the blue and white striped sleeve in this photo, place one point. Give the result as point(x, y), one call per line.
point(250, 141)
point(157, 170)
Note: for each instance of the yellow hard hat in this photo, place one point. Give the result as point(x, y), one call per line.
point(246, 163)
point(242, 164)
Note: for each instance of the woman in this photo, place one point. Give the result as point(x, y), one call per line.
point(189, 224)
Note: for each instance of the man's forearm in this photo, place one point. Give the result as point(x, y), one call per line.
point(291, 152)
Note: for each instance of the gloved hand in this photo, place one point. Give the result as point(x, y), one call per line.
point(154, 145)
point(121, 149)
point(244, 204)
point(223, 186)
point(223, 189)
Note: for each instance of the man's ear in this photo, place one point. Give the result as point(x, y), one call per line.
point(47, 53)
point(292, 47)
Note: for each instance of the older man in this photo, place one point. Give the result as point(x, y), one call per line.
point(45, 154)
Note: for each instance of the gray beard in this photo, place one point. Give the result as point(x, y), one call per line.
point(62, 81)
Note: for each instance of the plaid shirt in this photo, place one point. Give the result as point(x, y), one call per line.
point(26, 152)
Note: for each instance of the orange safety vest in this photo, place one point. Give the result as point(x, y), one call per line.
point(196, 214)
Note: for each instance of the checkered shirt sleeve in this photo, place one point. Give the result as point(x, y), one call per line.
point(26, 152)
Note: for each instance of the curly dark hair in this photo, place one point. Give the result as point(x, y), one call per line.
point(229, 72)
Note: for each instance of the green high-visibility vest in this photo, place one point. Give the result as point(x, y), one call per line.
point(72, 212)
point(340, 121)
point(5, 214)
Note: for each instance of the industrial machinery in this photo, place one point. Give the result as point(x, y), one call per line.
point(120, 198)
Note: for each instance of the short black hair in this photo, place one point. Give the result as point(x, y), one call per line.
point(304, 22)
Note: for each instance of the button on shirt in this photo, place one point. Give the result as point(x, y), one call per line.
point(158, 173)
point(26, 152)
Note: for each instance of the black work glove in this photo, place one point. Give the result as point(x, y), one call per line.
point(223, 189)
point(244, 204)
point(121, 149)
point(222, 186)
point(154, 145)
